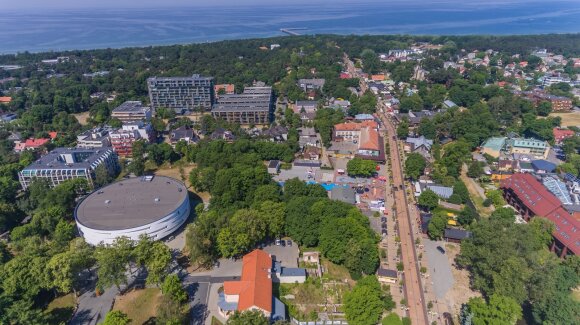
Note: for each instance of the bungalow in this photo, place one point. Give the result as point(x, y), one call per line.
point(274, 167)
point(30, 144)
point(276, 133)
point(311, 84)
point(456, 235)
point(420, 145)
point(387, 276)
point(183, 133)
point(305, 106)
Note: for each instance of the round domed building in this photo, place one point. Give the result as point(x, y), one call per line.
point(152, 205)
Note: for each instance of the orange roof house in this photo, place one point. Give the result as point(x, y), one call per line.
point(254, 290)
point(378, 77)
point(5, 100)
point(228, 88)
point(30, 144)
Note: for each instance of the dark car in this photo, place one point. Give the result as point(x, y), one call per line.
point(384, 232)
point(384, 225)
point(439, 248)
point(383, 219)
point(282, 243)
point(289, 242)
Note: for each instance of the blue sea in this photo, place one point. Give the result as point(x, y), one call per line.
point(45, 30)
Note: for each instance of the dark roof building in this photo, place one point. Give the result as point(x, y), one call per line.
point(543, 166)
point(530, 198)
point(456, 235)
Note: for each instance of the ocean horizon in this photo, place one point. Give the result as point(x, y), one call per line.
point(79, 29)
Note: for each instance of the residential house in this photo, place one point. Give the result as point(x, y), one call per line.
point(30, 144)
point(222, 134)
point(420, 145)
point(387, 276)
point(183, 133)
point(308, 138)
point(449, 104)
point(276, 133)
point(560, 134)
point(311, 84)
point(274, 167)
point(312, 153)
point(507, 165)
point(456, 235)
point(305, 106)
point(227, 89)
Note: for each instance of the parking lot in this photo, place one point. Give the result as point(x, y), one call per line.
point(299, 172)
point(439, 268)
point(288, 255)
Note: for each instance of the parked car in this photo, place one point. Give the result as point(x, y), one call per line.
point(384, 219)
point(278, 242)
point(289, 242)
point(439, 248)
point(384, 225)
point(282, 243)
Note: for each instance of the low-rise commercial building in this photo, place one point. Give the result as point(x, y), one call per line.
point(493, 146)
point(365, 136)
point(95, 138)
point(255, 106)
point(132, 111)
point(63, 164)
point(533, 147)
point(530, 198)
point(254, 290)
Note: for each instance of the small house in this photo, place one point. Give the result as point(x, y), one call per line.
point(274, 167)
point(387, 276)
point(456, 235)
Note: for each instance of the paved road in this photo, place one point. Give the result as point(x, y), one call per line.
point(413, 286)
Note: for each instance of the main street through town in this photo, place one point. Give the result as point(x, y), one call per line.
point(414, 293)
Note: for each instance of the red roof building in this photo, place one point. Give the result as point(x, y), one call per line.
point(345, 75)
point(5, 100)
point(561, 134)
point(530, 198)
point(30, 144)
point(254, 290)
point(365, 135)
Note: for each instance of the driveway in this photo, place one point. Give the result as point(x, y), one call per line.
point(288, 255)
point(439, 268)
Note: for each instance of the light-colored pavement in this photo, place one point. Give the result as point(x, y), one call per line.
point(439, 268)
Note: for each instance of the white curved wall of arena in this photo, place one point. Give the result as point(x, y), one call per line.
point(156, 230)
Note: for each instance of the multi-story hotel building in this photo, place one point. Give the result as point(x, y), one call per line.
point(132, 111)
point(182, 94)
point(255, 106)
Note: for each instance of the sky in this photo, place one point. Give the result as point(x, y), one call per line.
point(108, 4)
point(75, 4)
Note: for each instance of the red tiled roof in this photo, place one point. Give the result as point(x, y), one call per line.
point(6, 100)
point(560, 134)
point(378, 77)
point(52, 135)
point(369, 139)
point(545, 204)
point(351, 126)
point(255, 286)
point(35, 143)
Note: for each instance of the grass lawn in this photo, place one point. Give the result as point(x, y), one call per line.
point(443, 210)
point(215, 321)
point(60, 310)
point(568, 119)
point(139, 305)
point(576, 294)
